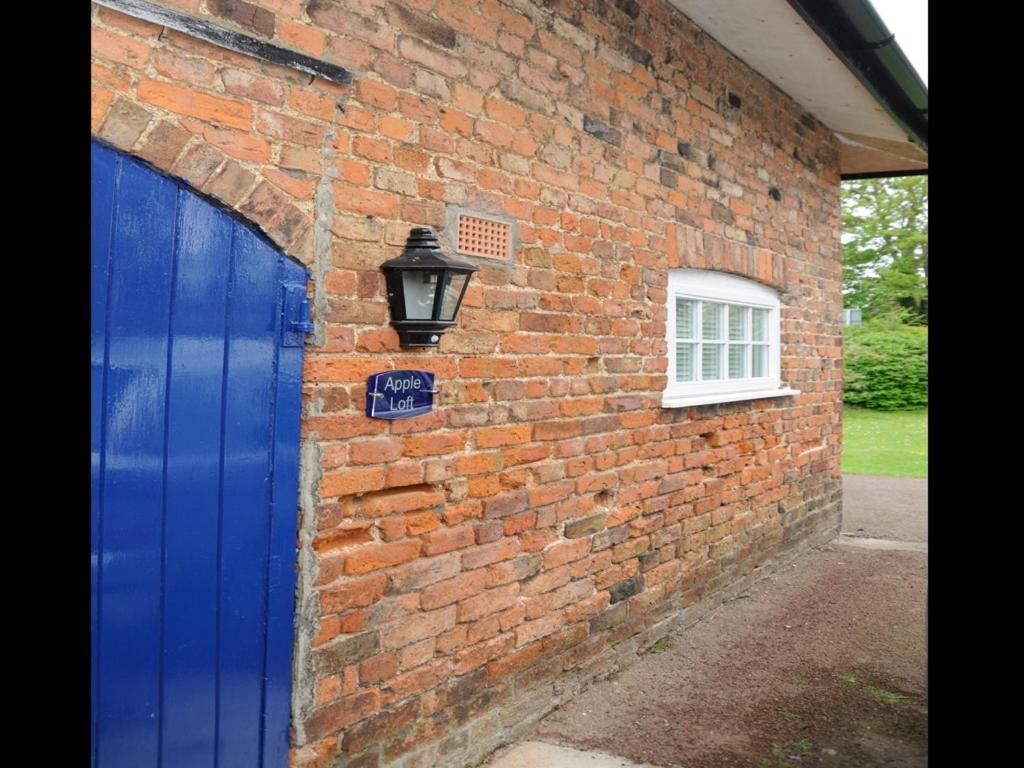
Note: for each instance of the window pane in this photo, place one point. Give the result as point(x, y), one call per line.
point(760, 325)
point(452, 293)
point(712, 317)
point(738, 361)
point(738, 322)
point(686, 319)
point(419, 293)
point(686, 370)
point(711, 361)
point(760, 360)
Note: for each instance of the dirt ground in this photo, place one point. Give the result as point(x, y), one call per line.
point(822, 664)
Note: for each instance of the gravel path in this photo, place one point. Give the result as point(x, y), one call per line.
point(821, 664)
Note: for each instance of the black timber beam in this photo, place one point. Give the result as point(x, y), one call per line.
point(229, 38)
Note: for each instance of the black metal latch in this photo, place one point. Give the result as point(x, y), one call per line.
point(296, 316)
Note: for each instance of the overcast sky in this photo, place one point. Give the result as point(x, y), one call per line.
point(908, 19)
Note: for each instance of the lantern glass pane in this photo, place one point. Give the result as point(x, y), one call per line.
point(452, 292)
point(419, 286)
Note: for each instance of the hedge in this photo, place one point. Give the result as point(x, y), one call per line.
point(886, 368)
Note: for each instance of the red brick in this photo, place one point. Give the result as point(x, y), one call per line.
point(415, 681)
point(101, 98)
point(301, 37)
point(434, 444)
point(417, 523)
point(565, 552)
point(402, 500)
point(377, 668)
point(416, 627)
point(124, 50)
point(486, 554)
point(341, 714)
point(493, 437)
point(448, 539)
point(353, 593)
point(175, 66)
point(139, 27)
point(290, 129)
point(542, 627)
point(505, 113)
point(513, 663)
point(380, 95)
point(367, 202)
point(186, 101)
point(396, 128)
point(236, 144)
point(197, 163)
point(163, 144)
point(453, 590)
point(369, 557)
point(246, 15)
point(376, 451)
point(415, 51)
point(247, 85)
point(298, 187)
point(486, 603)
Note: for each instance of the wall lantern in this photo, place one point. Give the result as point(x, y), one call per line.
point(425, 289)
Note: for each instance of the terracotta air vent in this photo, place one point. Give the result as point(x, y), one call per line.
point(483, 237)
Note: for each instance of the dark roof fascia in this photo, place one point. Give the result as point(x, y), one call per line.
point(856, 34)
point(882, 174)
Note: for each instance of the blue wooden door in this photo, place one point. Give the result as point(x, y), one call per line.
point(196, 377)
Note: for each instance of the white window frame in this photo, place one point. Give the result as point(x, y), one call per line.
point(721, 287)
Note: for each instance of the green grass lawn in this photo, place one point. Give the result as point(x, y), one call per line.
point(885, 442)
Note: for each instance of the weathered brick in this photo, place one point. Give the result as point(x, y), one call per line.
point(193, 103)
point(120, 48)
point(124, 123)
point(585, 526)
point(448, 539)
point(369, 557)
point(609, 618)
point(490, 553)
point(565, 552)
point(240, 83)
point(422, 25)
point(625, 588)
point(486, 603)
point(246, 15)
point(451, 591)
point(353, 593)
point(411, 629)
point(341, 714)
point(334, 657)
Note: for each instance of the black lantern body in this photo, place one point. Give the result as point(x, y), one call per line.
point(425, 289)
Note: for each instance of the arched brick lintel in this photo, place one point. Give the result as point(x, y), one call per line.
point(217, 203)
point(697, 249)
point(128, 127)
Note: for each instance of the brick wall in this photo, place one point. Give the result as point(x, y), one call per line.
point(464, 571)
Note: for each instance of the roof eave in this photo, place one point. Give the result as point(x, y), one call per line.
point(855, 33)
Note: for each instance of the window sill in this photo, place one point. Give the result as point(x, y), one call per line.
point(685, 401)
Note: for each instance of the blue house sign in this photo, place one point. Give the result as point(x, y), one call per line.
point(399, 394)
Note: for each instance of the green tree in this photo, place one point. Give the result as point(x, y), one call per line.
point(885, 247)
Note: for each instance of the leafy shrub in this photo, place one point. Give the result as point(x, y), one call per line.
point(886, 367)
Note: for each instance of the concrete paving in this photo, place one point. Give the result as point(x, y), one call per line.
point(886, 507)
point(851, 612)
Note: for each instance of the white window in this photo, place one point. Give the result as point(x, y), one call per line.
point(723, 339)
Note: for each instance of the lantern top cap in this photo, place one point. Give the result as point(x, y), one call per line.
point(423, 252)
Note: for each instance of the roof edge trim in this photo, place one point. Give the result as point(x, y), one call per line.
point(856, 34)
